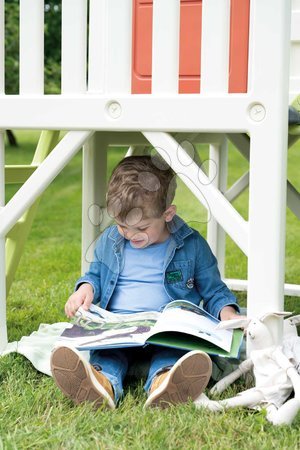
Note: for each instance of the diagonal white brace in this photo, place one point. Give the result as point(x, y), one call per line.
point(238, 187)
point(242, 143)
point(200, 185)
point(41, 178)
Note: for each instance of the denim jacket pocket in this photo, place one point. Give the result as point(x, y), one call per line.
point(179, 274)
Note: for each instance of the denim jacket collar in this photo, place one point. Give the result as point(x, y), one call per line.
point(177, 228)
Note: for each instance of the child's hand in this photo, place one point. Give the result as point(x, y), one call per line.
point(229, 313)
point(82, 297)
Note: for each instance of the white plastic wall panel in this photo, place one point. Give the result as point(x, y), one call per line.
point(31, 46)
point(295, 52)
point(165, 46)
point(74, 46)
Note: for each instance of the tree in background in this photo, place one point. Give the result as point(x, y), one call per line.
point(52, 45)
point(52, 50)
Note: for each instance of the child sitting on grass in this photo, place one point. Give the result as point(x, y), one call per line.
point(148, 259)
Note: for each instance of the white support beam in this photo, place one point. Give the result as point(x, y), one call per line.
point(201, 187)
point(41, 178)
point(242, 143)
point(165, 46)
point(3, 330)
point(31, 46)
point(293, 199)
point(214, 79)
point(242, 285)
point(74, 46)
point(218, 162)
point(96, 113)
point(268, 151)
point(94, 174)
point(238, 187)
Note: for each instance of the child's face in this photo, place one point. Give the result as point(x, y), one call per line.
point(143, 232)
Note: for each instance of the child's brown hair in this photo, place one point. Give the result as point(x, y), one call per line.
point(144, 182)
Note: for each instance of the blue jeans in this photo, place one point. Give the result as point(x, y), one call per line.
point(114, 363)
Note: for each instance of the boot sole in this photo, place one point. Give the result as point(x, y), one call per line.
point(74, 377)
point(186, 381)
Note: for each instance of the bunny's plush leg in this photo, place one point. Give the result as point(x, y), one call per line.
point(247, 398)
point(204, 402)
point(285, 414)
point(288, 411)
point(243, 368)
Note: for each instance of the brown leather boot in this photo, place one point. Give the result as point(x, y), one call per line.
point(78, 380)
point(185, 381)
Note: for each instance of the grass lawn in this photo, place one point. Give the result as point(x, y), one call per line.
point(33, 412)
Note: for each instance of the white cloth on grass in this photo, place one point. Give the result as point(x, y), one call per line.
point(37, 347)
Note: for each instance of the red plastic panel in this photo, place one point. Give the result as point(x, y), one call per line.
point(190, 46)
point(239, 37)
point(141, 47)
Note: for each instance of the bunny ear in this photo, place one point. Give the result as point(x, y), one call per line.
point(232, 324)
point(276, 314)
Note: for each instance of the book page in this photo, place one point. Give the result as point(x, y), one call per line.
point(184, 317)
point(99, 328)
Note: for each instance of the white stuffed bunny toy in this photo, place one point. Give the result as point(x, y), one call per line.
point(275, 370)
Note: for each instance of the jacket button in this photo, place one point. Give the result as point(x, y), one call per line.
point(190, 283)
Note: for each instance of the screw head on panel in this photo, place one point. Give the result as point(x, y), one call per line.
point(257, 112)
point(114, 109)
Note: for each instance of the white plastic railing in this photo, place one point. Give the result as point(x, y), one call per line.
point(31, 47)
point(74, 47)
point(165, 46)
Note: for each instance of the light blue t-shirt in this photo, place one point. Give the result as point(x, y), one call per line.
point(140, 283)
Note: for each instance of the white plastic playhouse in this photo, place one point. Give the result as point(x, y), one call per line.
point(159, 72)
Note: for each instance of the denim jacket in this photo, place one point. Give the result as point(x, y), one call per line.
point(190, 269)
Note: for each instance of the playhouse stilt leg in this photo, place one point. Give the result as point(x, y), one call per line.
point(267, 205)
point(3, 327)
point(93, 194)
point(218, 156)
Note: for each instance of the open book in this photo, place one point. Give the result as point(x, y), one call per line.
point(181, 324)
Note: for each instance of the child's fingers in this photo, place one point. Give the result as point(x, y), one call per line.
point(72, 305)
point(87, 302)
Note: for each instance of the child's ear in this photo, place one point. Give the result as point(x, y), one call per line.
point(170, 213)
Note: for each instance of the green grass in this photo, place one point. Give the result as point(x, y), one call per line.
point(33, 412)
